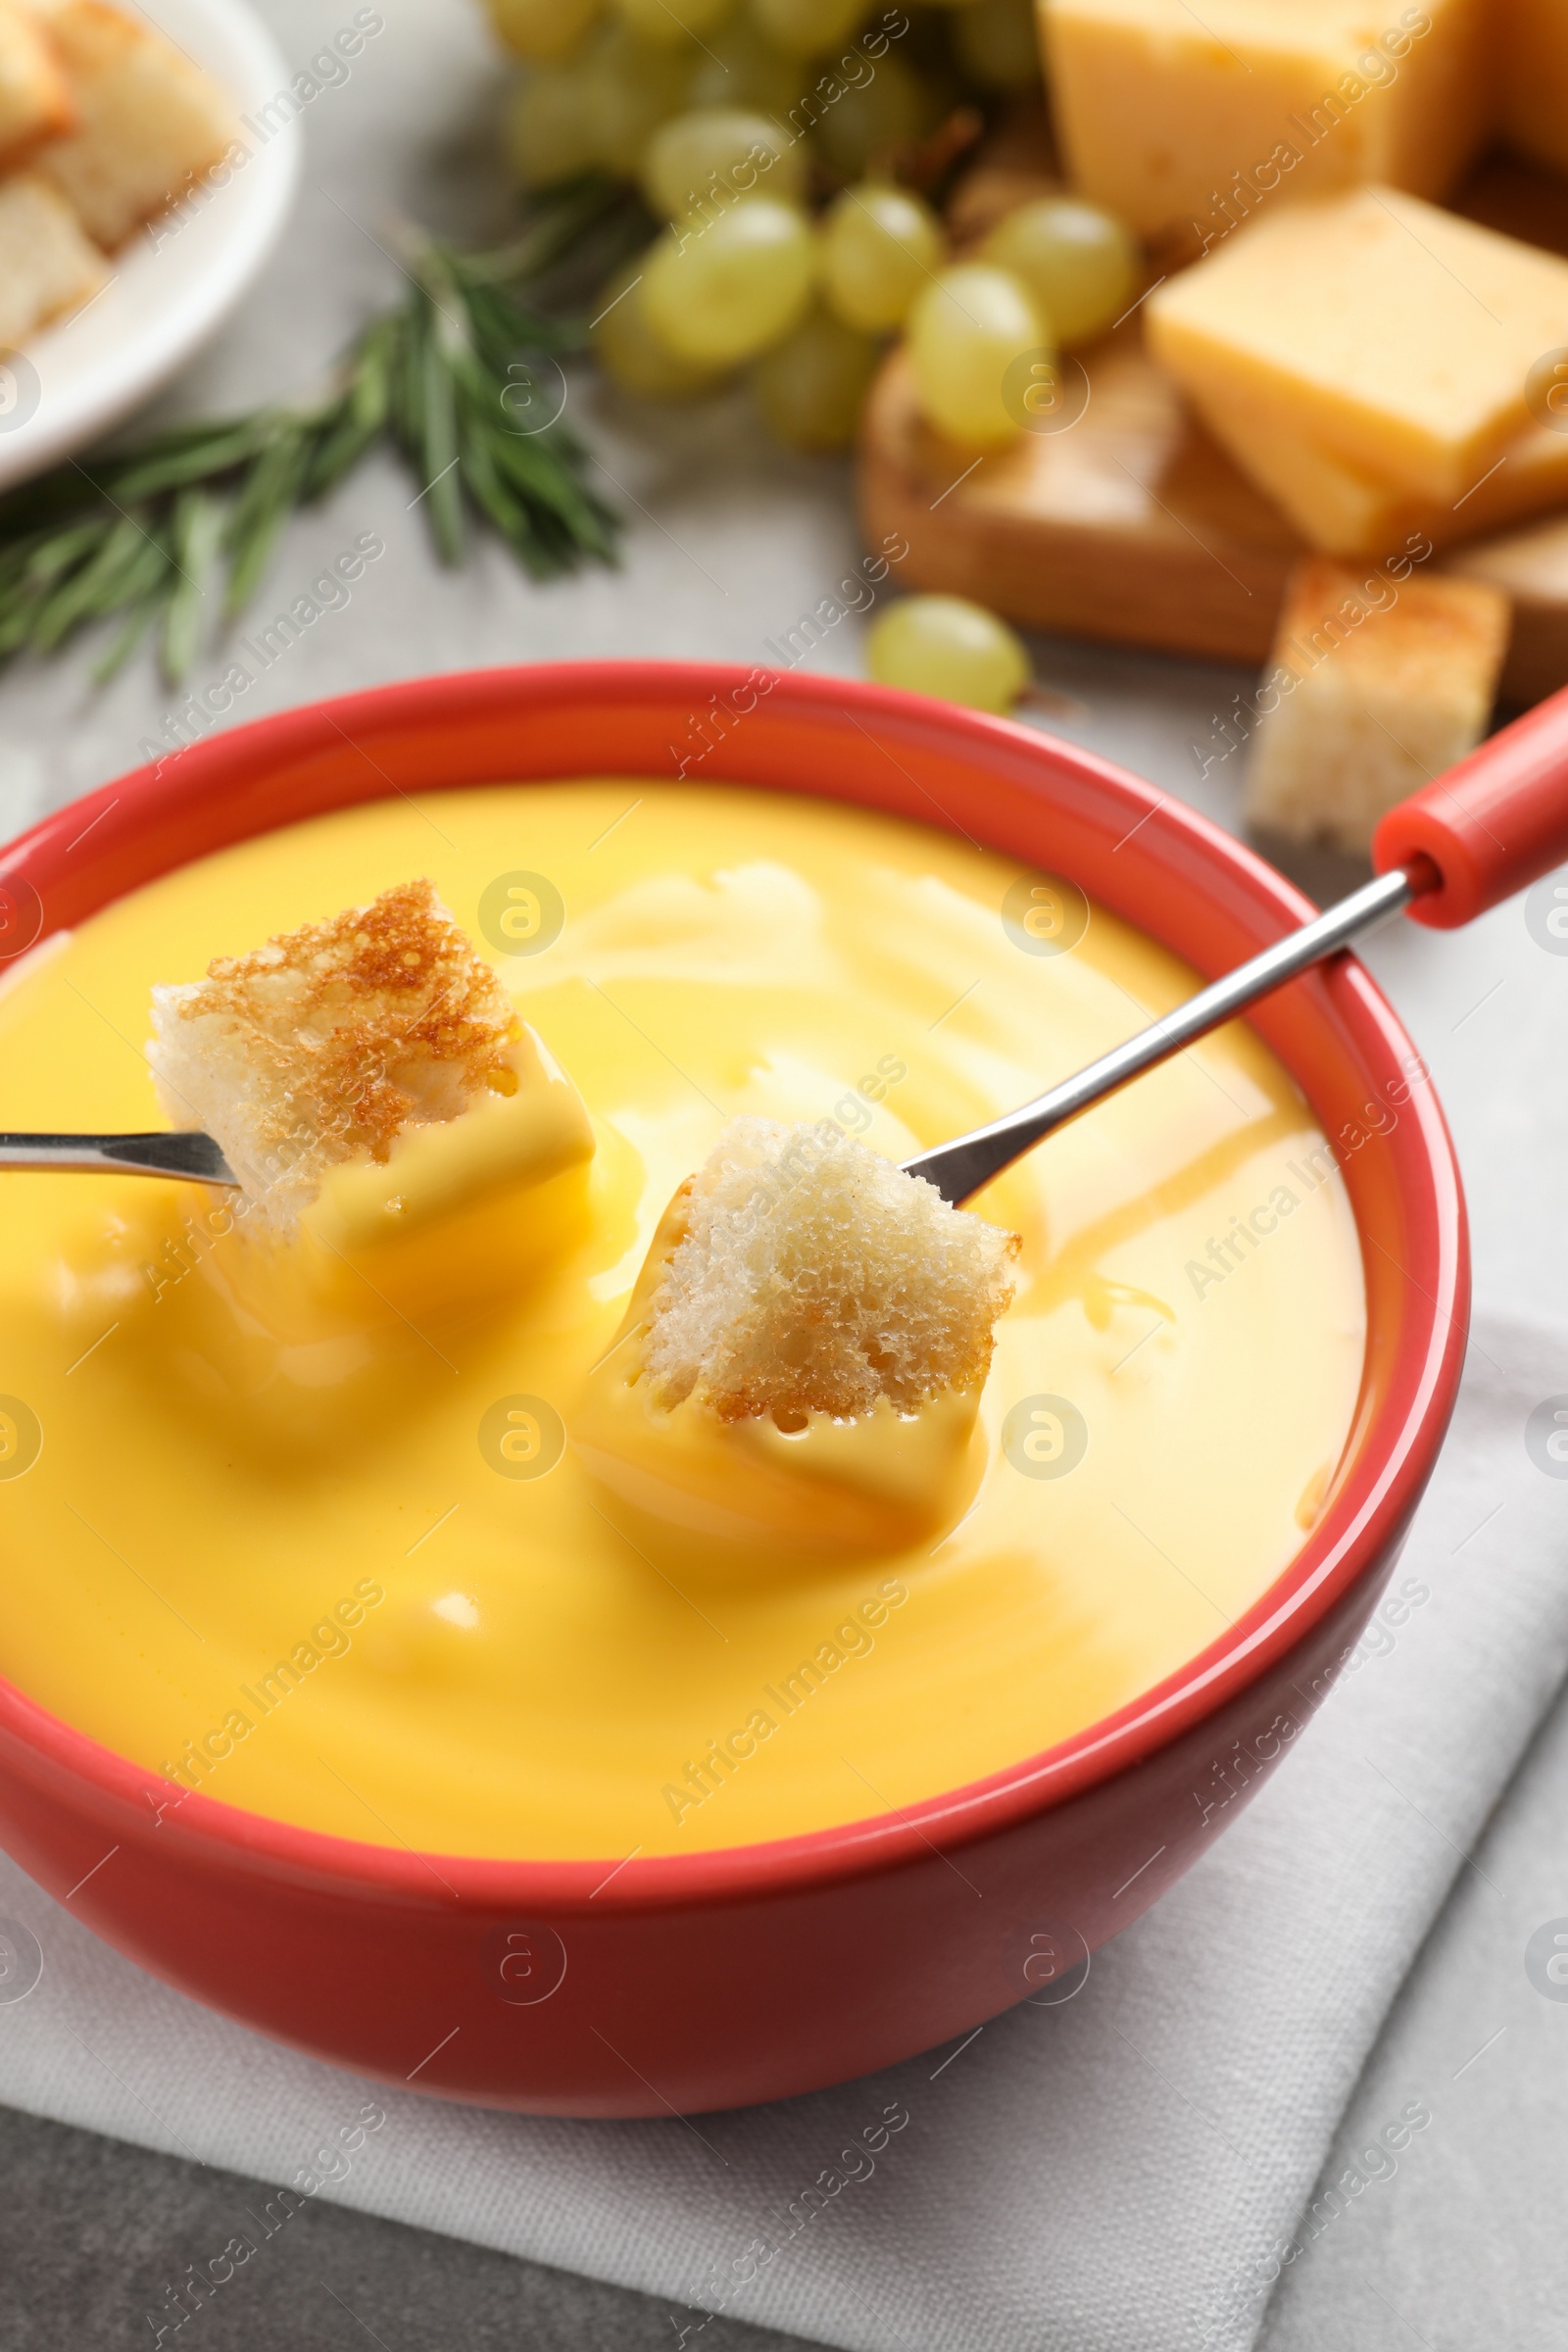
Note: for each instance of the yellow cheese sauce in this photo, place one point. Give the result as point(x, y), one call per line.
point(352, 1573)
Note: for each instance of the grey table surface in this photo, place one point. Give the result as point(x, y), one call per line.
point(730, 540)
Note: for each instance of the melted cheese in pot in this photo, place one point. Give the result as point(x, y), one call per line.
point(346, 1567)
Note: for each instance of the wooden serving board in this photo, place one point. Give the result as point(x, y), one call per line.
point(1132, 527)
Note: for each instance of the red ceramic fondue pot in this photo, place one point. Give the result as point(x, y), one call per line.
point(715, 1979)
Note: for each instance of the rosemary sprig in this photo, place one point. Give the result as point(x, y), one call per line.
point(457, 379)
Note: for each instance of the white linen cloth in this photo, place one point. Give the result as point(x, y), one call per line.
point(1121, 2173)
point(1481, 2031)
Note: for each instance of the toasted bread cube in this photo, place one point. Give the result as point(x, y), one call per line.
point(1181, 118)
point(149, 122)
point(46, 265)
point(326, 1044)
point(813, 1276)
point(34, 95)
point(1367, 699)
point(1397, 336)
point(1345, 510)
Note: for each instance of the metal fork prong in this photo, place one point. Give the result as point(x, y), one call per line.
point(185, 1153)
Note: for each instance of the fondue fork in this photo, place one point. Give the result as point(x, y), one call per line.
point(963, 1167)
point(1489, 827)
point(1492, 826)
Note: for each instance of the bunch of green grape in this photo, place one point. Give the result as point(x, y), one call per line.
point(765, 135)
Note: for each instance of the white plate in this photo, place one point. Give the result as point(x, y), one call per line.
point(177, 280)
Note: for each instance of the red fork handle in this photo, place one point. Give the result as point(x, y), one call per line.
point(1491, 826)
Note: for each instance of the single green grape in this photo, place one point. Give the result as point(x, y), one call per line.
point(811, 388)
point(998, 44)
point(1077, 260)
point(945, 646)
point(895, 108)
point(700, 163)
point(963, 333)
point(633, 354)
point(880, 246)
point(635, 88)
point(805, 27)
point(667, 22)
point(544, 29)
point(553, 124)
point(737, 67)
point(724, 293)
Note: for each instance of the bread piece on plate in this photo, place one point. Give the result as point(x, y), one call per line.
point(813, 1276)
point(329, 1043)
point(34, 95)
point(46, 264)
point(149, 122)
point(1372, 690)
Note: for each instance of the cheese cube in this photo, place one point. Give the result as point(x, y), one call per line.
point(46, 265)
point(149, 121)
point(1344, 510)
point(1394, 336)
point(1534, 80)
point(1183, 119)
point(1375, 686)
